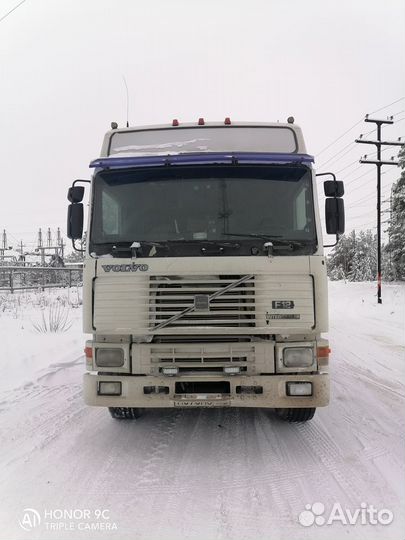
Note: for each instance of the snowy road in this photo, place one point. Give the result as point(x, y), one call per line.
point(216, 474)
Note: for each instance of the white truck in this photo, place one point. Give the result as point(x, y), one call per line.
point(204, 277)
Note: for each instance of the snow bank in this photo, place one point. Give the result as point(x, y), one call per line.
point(27, 352)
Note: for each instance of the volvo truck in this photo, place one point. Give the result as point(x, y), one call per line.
point(204, 279)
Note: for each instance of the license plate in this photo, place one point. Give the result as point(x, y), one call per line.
point(201, 403)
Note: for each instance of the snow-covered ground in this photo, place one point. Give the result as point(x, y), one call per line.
point(201, 474)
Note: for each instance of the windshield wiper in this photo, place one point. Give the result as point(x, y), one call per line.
point(117, 248)
point(278, 240)
point(216, 247)
point(208, 242)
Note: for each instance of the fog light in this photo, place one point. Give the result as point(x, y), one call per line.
point(232, 370)
point(110, 357)
point(298, 356)
point(109, 388)
point(170, 371)
point(299, 389)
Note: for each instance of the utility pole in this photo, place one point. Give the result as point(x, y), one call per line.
point(41, 247)
point(379, 163)
point(39, 238)
point(21, 251)
point(4, 245)
point(60, 243)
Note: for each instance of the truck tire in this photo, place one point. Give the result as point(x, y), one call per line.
point(296, 415)
point(125, 413)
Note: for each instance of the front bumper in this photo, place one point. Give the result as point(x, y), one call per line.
point(274, 391)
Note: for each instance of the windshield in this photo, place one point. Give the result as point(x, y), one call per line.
point(206, 205)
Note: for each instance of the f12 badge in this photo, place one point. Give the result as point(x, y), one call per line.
point(282, 304)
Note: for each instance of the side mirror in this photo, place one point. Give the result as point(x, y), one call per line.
point(75, 194)
point(75, 221)
point(335, 215)
point(333, 188)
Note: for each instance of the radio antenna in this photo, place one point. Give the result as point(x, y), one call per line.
point(126, 88)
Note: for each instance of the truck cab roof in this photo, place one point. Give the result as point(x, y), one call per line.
point(203, 137)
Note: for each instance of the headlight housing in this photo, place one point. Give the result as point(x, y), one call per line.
point(109, 388)
point(110, 357)
point(299, 357)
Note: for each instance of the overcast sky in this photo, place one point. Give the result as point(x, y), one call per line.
point(327, 63)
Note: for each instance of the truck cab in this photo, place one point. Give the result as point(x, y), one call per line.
point(204, 277)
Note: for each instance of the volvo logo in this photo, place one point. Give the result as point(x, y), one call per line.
point(125, 267)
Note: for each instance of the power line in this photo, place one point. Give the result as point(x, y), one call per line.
point(364, 183)
point(357, 177)
point(344, 148)
point(11, 11)
point(360, 167)
point(350, 149)
point(399, 112)
point(352, 145)
point(364, 199)
point(340, 137)
point(356, 124)
point(367, 213)
point(347, 166)
point(333, 157)
point(386, 106)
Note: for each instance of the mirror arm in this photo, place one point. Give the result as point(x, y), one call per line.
point(333, 245)
point(81, 181)
point(321, 174)
point(77, 249)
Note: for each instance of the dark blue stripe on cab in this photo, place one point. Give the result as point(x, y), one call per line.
point(195, 159)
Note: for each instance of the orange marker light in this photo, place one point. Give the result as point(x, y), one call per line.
point(88, 351)
point(323, 352)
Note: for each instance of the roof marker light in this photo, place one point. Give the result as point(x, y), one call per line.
point(201, 122)
point(290, 119)
point(227, 121)
point(175, 122)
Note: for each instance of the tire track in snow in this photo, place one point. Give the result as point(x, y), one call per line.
point(40, 426)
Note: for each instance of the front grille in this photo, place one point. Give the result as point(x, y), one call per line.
point(220, 354)
point(203, 360)
point(186, 301)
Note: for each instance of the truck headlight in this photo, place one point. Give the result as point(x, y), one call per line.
point(298, 356)
point(110, 357)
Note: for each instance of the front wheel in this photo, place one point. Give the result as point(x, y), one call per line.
point(296, 415)
point(125, 413)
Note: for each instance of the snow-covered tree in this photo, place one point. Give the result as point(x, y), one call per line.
point(339, 262)
point(364, 263)
point(354, 257)
point(395, 248)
